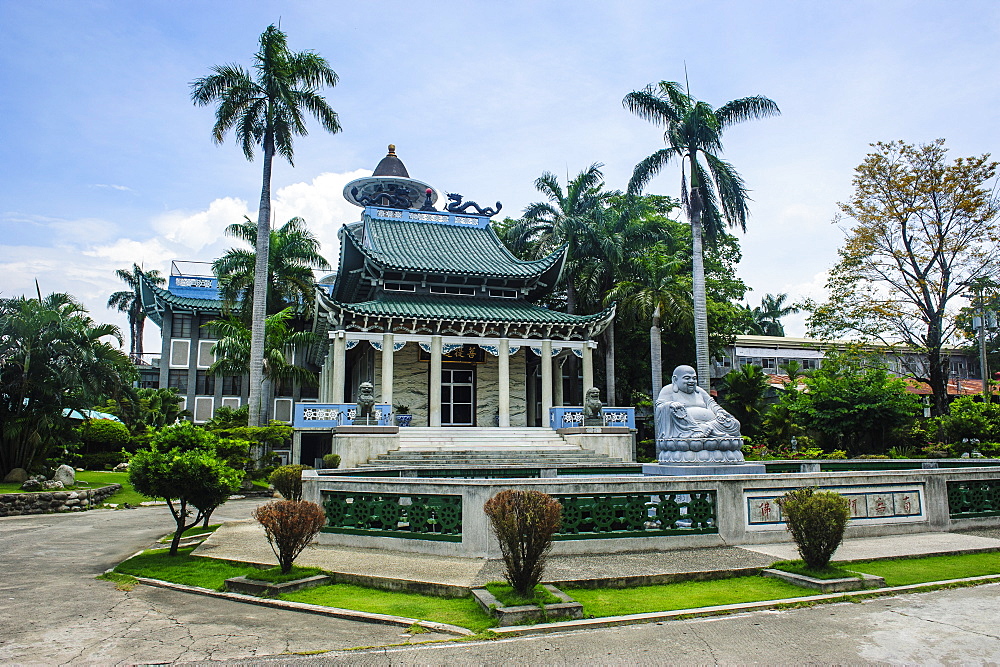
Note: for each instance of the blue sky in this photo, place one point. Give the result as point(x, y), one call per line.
point(108, 162)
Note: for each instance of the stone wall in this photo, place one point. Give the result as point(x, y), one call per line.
point(47, 502)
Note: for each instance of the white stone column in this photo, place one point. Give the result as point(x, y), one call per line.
point(326, 377)
point(557, 379)
point(504, 389)
point(435, 393)
point(387, 357)
point(339, 367)
point(588, 368)
point(546, 380)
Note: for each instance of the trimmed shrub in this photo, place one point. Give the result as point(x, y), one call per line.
point(290, 526)
point(816, 520)
point(331, 460)
point(101, 460)
point(104, 435)
point(524, 522)
point(288, 481)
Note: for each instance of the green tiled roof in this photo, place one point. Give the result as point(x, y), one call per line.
point(448, 249)
point(183, 301)
point(467, 308)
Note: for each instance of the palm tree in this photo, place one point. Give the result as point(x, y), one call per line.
point(742, 394)
point(293, 254)
point(53, 359)
point(659, 289)
point(233, 349)
point(772, 309)
point(717, 193)
point(266, 110)
point(622, 235)
point(130, 302)
point(563, 220)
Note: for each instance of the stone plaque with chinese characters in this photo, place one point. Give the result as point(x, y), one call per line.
point(865, 503)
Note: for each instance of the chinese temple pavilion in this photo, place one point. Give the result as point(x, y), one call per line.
point(434, 309)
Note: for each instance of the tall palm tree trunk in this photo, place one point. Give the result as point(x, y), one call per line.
point(698, 292)
point(656, 354)
point(609, 364)
point(260, 289)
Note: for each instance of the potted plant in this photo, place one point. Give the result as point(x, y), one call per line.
point(403, 416)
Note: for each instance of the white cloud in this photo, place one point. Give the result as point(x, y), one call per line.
point(112, 186)
point(86, 252)
point(195, 231)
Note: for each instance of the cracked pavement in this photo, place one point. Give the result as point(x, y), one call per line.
point(53, 611)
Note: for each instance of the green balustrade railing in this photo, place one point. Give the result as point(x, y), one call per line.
point(974, 498)
point(420, 517)
point(637, 514)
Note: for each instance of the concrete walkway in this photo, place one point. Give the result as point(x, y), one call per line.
point(245, 541)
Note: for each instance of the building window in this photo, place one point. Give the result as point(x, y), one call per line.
point(452, 289)
point(809, 364)
point(204, 383)
point(180, 326)
point(204, 330)
point(503, 293)
point(400, 287)
point(178, 380)
point(231, 385)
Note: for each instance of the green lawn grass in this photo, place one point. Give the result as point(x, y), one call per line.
point(682, 595)
point(197, 530)
point(183, 568)
point(212, 573)
point(504, 592)
point(906, 571)
point(96, 479)
point(463, 612)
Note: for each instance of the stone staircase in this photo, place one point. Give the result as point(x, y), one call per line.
point(475, 447)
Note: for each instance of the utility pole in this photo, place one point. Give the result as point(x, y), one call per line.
point(980, 323)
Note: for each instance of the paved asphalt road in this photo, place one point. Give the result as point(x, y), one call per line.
point(53, 611)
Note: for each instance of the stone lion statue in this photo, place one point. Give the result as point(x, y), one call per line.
point(366, 404)
point(592, 415)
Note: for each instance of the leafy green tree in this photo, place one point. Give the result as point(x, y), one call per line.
point(620, 237)
point(922, 226)
point(742, 392)
point(182, 467)
point(293, 254)
point(658, 290)
point(765, 320)
point(104, 435)
point(971, 419)
point(564, 219)
point(147, 408)
point(130, 302)
point(267, 110)
point(817, 520)
point(717, 193)
point(854, 405)
point(53, 360)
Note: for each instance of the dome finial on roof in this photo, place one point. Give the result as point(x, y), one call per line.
point(392, 150)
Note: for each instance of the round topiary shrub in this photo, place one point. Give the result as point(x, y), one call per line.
point(331, 460)
point(816, 519)
point(288, 481)
point(104, 435)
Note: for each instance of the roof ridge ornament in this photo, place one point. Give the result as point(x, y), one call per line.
point(456, 206)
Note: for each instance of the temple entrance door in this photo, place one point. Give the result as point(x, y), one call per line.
point(458, 398)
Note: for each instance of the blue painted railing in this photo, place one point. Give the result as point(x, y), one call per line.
point(568, 416)
point(329, 415)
